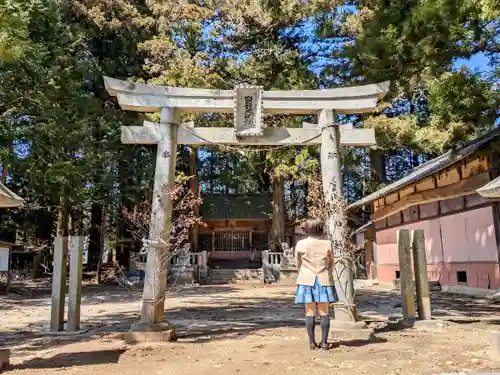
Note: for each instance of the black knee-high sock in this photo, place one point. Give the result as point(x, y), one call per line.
point(310, 324)
point(325, 328)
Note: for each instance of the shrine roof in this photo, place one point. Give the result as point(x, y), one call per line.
point(490, 190)
point(236, 207)
point(8, 198)
point(430, 167)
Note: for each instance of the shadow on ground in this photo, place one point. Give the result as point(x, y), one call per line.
point(65, 360)
point(228, 315)
point(444, 305)
point(93, 294)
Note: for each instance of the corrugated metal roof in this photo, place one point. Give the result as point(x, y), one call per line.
point(8, 198)
point(430, 167)
point(363, 227)
point(491, 189)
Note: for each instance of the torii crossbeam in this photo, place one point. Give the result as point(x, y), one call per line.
point(249, 104)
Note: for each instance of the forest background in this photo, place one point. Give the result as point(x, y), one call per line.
point(60, 130)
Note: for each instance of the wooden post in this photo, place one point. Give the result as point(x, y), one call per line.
point(421, 279)
point(58, 284)
point(155, 282)
point(213, 244)
point(405, 273)
point(37, 259)
point(345, 310)
point(278, 213)
point(75, 282)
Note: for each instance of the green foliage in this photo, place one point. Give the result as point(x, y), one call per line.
point(54, 107)
point(14, 19)
point(415, 44)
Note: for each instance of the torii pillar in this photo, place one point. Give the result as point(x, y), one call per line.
point(248, 105)
point(153, 326)
point(331, 175)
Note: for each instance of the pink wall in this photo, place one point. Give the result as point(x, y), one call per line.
point(469, 236)
point(452, 242)
point(387, 248)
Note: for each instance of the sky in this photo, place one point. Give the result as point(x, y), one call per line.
point(477, 62)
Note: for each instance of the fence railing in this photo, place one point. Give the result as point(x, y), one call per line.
point(275, 258)
point(194, 259)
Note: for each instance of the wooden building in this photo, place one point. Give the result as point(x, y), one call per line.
point(236, 224)
point(462, 227)
point(238, 227)
point(8, 199)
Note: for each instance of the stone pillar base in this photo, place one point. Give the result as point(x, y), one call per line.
point(495, 345)
point(345, 313)
point(150, 333)
point(341, 325)
point(288, 276)
point(345, 318)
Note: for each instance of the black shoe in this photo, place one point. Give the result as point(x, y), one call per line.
point(325, 346)
point(313, 346)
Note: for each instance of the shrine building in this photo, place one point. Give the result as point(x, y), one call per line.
point(236, 224)
point(454, 199)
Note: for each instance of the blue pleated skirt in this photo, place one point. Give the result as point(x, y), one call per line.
point(315, 294)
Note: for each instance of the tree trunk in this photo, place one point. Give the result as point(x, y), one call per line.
point(5, 167)
point(194, 189)
point(377, 164)
point(76, 217)
point(306, 194)
point(122, 253)
point(63, 218)
point(102, 238)
point(95, 231)
point(415, 162)
point(278, 206)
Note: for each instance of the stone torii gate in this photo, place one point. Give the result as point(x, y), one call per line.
point(248, 104)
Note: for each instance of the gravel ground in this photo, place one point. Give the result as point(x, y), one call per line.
point(245, 329)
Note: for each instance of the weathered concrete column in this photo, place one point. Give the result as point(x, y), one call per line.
point(421, 279)
point(345, 310)
point(155, 281)
point(58, 284)
point(75, 282)
point(265, 265)
point(495, 345)
point(204, 265)
point(405, 273)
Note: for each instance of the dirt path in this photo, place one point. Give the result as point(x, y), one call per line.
point(247, 329)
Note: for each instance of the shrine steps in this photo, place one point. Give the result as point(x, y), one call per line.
point(232, 276)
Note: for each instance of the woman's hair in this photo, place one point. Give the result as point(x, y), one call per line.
point(314, 226)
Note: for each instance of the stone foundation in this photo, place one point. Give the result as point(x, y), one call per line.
point(142, 333)
point(480, 275)
point(288, 276)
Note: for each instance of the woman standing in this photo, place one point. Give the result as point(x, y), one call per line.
point(315, 288)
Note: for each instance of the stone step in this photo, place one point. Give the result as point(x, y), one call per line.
point(228, 276)
point(236, 271)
